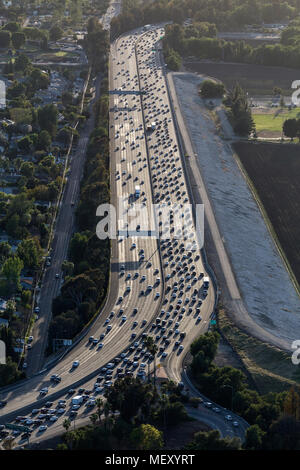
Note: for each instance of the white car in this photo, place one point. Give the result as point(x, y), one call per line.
point(43, 428)
point(228, 417)
point(53, 418)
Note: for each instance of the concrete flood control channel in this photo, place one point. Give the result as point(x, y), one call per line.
point(265, 285)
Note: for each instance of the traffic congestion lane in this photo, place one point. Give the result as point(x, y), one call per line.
point(78, 372)
point(87, 356)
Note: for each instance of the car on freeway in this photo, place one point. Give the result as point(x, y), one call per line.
point(75, 364)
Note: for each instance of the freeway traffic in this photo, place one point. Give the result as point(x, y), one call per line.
point(158, 287)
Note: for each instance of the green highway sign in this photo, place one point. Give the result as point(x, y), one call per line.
point(213, 322)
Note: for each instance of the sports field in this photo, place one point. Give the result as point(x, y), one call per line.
point(268, 122)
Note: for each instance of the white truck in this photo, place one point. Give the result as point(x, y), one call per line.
point(206, 282)
point(151, 127)
point(77, 400)
point(137, 192)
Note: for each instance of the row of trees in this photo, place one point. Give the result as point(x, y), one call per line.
point(225, 14)
point(87, 269)
point(8, 39)
point(143, 417)
point(240, 112)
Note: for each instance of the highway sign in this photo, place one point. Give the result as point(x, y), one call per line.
point(213, 322)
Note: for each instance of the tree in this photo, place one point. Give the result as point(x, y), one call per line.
point(254, 438)
point(67, 268)
point(47, 118)
point(283, 434)
point(11, 271)
point(99, 407)
point(128, 395)
point(25, 144)
point(56, 33)
point(29, 251)
point(5, 251)
point(211, 441)
point(277, 91)
point(18, 40)
point(290, 128)
point(291, 404)
point(94, 418)
point(66, 424)
point(152, 348)
point(9, 372)
point(208, 343)
point(13, 27)
point(79, 289)
point(146, 437)
point(27, 169)
point(22, 63)
point(39, 80)
point(210, 89)
point(44, 141)
point(5, 38)
point(78, 246)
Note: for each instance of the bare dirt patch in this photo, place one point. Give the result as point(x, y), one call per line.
point(256, 79)
point(274, 170)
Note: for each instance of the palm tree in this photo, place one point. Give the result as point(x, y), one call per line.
point(67, 424)
point(99, 404)
point(94, 418)
point(106, 409)
point(152, 348)
point(164, 401)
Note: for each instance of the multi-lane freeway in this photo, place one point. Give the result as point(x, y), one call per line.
point(156, 283)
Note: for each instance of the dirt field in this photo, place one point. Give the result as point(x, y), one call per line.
point(256, 79)
point(274, 169)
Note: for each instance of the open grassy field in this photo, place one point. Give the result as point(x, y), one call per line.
point(274, 170)
point(257, 80)
point(271, 369)
point(268, 122)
